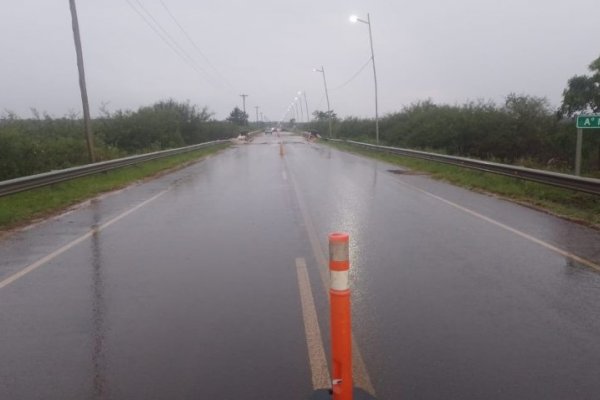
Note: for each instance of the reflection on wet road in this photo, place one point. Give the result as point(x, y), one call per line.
point(98, 312)
point(188, 287)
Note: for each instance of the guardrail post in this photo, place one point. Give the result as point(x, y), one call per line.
point(341, 327)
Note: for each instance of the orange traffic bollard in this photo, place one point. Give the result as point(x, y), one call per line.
point(341, 329)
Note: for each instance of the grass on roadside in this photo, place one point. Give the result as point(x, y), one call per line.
point(577, 206)
point(20, 208)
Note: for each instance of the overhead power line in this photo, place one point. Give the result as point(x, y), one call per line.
point(168, 40)
point(168, 35)
point(200, 52)
point(353, 76)
point(160, 35)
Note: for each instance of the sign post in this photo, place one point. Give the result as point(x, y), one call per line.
point(584, 122)
point(578, 152)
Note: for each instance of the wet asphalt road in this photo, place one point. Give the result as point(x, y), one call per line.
point(185, 287)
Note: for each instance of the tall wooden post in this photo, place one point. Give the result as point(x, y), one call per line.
point(84, 98)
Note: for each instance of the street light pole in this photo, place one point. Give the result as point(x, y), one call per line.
point(301, 109)
point(306, 104)
point(294, 110)
point(322, 70)
point(368, 22)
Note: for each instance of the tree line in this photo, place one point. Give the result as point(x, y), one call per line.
point(524, 129)
point(43, 143)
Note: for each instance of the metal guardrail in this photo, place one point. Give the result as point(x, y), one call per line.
point(48, 178)
point(587, 185)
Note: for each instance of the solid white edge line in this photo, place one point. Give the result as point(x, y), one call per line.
point(56, 253)
point(314, 341)
point(517, 232)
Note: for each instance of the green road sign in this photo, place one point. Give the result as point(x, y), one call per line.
point(588, 122)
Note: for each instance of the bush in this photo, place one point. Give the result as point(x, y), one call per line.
point(31, 146)
point(523, 129)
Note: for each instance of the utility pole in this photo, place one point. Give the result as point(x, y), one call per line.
point(243, 96)
point(322, 71)
point(84, 98)
point(257, 107)
point(375, 79)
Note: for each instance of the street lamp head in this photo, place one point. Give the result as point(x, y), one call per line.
point(354, 19)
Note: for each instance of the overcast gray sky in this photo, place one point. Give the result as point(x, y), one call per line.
point(449, 51)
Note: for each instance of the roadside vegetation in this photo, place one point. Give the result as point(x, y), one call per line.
point(580, 207)
point(42, 143)
point(524, 130)
point(23, 207)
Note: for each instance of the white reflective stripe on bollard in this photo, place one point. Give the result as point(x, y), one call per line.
point(340, 280)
